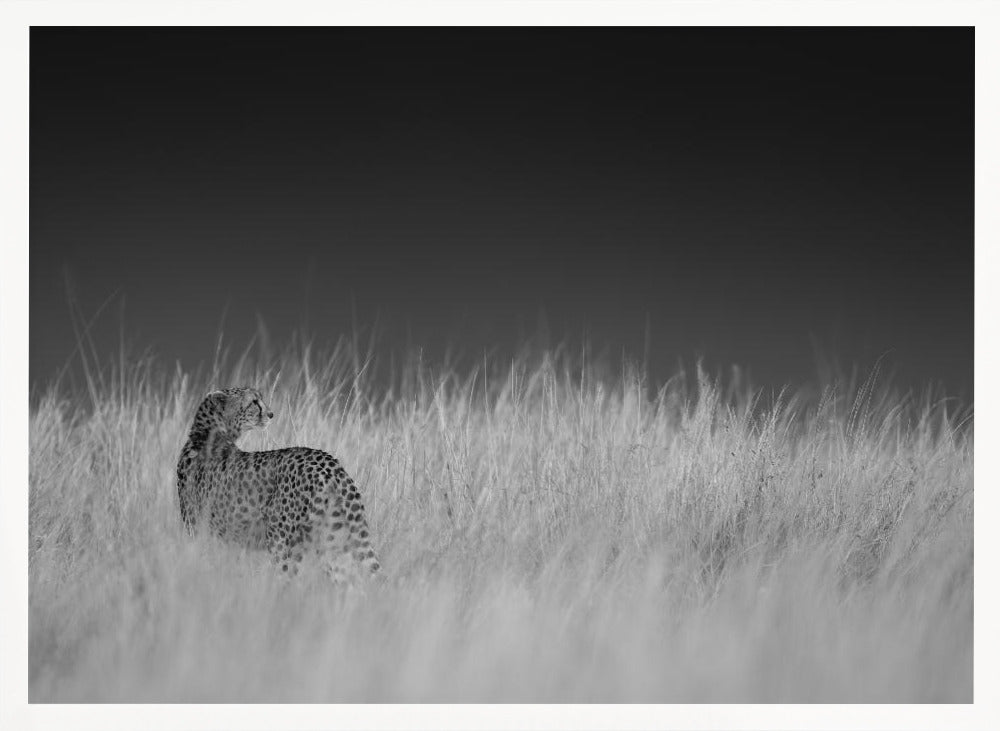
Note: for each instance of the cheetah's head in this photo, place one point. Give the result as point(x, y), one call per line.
point(238, 409)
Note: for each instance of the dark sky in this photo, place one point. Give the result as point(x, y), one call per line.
point(745, 192)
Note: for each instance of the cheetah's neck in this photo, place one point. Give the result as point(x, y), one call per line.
point(210, 436)
point(212, 442)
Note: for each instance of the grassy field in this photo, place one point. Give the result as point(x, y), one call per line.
point(547, 535)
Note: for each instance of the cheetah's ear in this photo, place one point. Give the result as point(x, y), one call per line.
point(215, 394)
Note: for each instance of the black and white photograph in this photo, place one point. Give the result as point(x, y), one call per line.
point(500, 364)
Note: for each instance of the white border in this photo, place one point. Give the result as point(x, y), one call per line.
point(15, 19)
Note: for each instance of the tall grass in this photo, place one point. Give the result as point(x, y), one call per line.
point(549, 533)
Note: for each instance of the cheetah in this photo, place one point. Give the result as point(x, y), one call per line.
point(295, 502)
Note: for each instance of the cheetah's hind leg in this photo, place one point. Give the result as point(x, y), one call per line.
point(342, 544)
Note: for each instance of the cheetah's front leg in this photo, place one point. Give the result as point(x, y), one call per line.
point(285, 547)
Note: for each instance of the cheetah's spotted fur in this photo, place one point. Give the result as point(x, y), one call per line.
point(294, 502)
